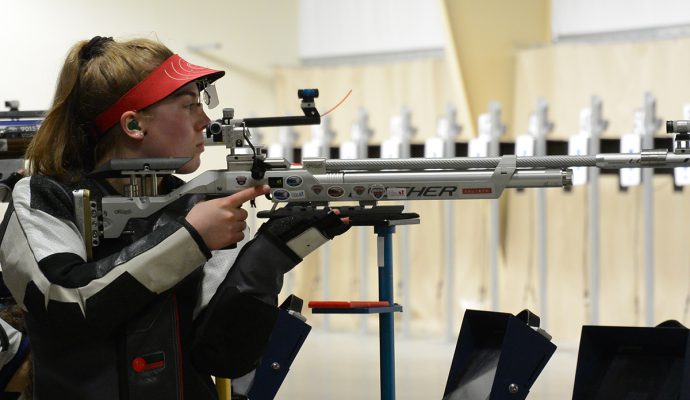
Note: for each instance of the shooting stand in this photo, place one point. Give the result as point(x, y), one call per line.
point(384, 219)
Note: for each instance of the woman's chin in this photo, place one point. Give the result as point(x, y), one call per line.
point(191, 166)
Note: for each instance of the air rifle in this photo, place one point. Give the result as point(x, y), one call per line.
point(316, 183)
point(17, 128)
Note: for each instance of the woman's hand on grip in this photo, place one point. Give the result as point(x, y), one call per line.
point(221, 222)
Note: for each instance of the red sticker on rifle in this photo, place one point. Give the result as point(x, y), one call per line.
point(477, 191)
point(317, 189)
point(377, 191)
point(359, 190)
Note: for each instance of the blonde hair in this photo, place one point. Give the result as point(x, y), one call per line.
point(90, 81)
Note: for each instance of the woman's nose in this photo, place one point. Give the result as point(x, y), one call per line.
point(203, 121)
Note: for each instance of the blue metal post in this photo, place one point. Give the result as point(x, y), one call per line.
point(386, 319)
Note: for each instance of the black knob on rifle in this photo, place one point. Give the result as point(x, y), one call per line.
point(258, 169)
point(215, 130)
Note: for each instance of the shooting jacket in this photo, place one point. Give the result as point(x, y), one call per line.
point(121, 326)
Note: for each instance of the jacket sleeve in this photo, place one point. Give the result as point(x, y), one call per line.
point(232, 332)
point(44, 262)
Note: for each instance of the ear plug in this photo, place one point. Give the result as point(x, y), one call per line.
point(133, 125)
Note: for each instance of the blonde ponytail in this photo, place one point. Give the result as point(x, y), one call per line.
point(64, 146)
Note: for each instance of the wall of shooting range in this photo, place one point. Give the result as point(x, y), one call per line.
point(513, 60)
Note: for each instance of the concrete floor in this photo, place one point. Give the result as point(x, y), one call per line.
point(334, 366)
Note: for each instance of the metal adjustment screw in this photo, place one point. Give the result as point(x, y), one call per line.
point(513, 388)
point(275, 366)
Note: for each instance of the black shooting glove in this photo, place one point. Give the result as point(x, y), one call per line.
point(280, 244)
point(233, 330)
point(305, 229)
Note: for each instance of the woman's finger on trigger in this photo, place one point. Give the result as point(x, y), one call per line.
point(236, 200)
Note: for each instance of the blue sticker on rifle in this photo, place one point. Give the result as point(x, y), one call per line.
point(293, 181)
point(281, 195)
point(298, 194)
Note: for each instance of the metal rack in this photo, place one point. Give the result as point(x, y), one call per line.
point(384, 230)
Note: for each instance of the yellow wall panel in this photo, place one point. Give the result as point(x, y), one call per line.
point(484, 38)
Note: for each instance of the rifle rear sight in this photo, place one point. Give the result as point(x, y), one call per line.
point(234, 133)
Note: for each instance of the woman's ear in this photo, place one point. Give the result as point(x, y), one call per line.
point(130, 125)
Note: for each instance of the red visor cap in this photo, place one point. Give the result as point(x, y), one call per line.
point(171, 75)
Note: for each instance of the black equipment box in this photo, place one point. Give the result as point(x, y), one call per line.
point(498, 356)
point(633, 363)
